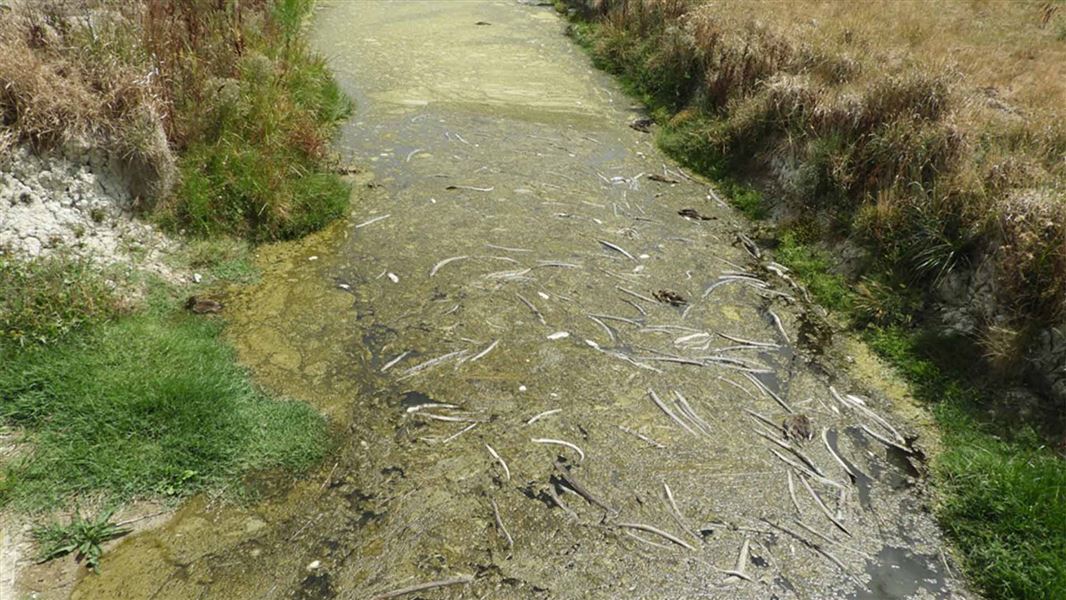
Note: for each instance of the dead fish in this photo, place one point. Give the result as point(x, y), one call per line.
point(642, 125)
point(671, 298)
point(661, 178)
point(691, 213)
point(203, 306)
point(798, 427)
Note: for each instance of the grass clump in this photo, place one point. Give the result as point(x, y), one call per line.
point(44, 300)
point(81, 536)
point(253, 127)
point(152, 404)
point(828, 288)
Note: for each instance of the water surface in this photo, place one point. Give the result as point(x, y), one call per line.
point(505, 250)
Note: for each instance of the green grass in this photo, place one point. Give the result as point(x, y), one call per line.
point(253, 163)
point(43, 300)
point(828, 288)
point(219, 259)
point(1002, 493)
point(151, 404)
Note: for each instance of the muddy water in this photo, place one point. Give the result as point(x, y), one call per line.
point(503, 256)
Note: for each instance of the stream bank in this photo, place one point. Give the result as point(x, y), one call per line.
point(543, 344)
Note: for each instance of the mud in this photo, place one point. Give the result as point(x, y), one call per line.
point(502, 148)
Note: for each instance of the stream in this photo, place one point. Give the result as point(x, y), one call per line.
point(521, 410)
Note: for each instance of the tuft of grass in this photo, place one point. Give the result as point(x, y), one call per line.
point(253, 127)
point(81, 536)
point(152, 404)
point(829, 289)
point(46, 299)
point(220, 259)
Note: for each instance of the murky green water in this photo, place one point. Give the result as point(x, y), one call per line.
point(510, 227)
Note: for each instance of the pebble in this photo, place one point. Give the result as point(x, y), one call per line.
point(313, 565)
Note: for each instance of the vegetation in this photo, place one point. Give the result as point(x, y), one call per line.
point(149, 404)
point(81, 535)
point(1000, 488)
point(41, 302)
point(907, 130)
point(912, 133)
point(220, 118)
point(219, 112)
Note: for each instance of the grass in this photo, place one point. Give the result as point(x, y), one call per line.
point(252, 165)
point(934, 139)
point(148, 405)
point(217, 113)
point(220, 258)
point(44, 300)
point(1002, 493)
point(864, 129)
point(81, 536)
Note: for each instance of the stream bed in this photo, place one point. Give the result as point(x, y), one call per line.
point(544, 380)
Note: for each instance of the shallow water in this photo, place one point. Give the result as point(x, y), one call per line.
point(499, 147)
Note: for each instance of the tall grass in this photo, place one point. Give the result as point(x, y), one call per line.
point(216, 111)
point(872, 128)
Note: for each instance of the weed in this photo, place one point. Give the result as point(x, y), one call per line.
point(81, 536)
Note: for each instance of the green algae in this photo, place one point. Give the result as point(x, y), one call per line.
point(514, 109)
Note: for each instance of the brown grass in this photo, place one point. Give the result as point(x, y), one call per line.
point(934, 131)
point(68, 70)
point(219, 114)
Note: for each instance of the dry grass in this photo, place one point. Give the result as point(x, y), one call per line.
point(219, 114)
point(68, 71)
point(934, 132)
